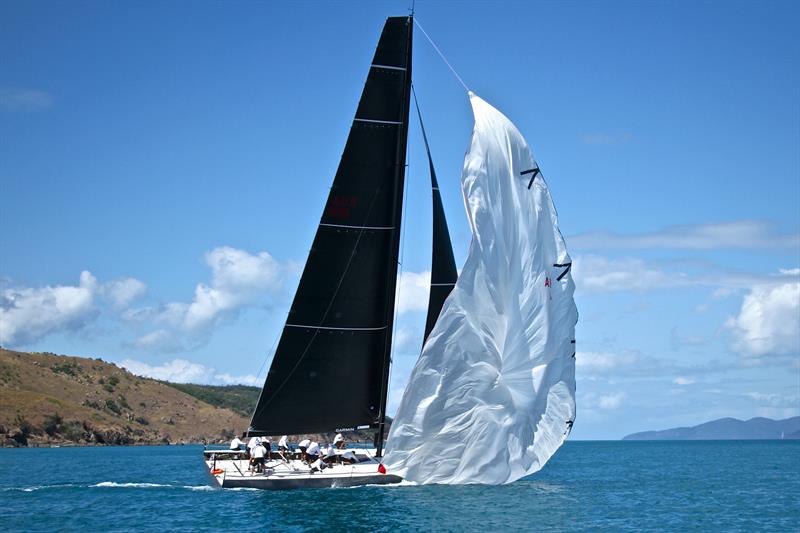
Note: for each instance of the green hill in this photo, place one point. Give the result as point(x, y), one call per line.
point(240, 399)
point(48, 399)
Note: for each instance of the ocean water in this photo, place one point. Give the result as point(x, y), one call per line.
point(587, 486)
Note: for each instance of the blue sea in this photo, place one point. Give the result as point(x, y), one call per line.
point(587, 486)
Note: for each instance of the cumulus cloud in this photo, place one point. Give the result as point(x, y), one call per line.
point(412, 291)
point(603, 362)
point(238, 279)
point(768, 322)
point(122, 292)
point(24, 100)
point(595, 274)
point(742, 234)
point(408, 339)
point(183, 371)
point(773, 400)
point(28, 314)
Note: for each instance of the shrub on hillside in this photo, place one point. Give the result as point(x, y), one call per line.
point(52, 424)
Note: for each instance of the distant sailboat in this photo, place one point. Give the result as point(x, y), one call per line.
point(511, 312)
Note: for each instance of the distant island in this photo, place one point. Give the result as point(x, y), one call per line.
point(728, 429)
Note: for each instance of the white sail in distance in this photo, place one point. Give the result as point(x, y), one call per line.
point(492, 396)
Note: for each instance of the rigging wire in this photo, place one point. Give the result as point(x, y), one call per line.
point(446, 62)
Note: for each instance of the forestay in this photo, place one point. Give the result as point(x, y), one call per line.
point(492, 396)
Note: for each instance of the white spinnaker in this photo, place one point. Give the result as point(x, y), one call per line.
point(492, 396)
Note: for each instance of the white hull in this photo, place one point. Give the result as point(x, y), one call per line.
point(230, 472)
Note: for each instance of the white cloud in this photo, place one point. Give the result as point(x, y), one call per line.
point(160, 340)
point(736, 234)
point(595, 274)
point(122, 292)
point(722, 292)
point(183, 371)
point(24, 100)
point(602, 362)
point(611, 401)
point(238, 279)
point(412, 291)
point(768, 322)
point(773, 400)
point(28, 314)
point(680, 380)
point(407, 339)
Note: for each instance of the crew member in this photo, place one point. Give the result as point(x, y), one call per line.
point(283, 444)
point(338, 441)
point(312, 452)
point(259, 453)
point(349, 457)
point(303, 445)
point(267, 444)
point(252, 443)
point(236, 444)
point(318, 466)
point(330, 455)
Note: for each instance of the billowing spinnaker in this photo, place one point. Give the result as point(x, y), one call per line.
point(492, 396)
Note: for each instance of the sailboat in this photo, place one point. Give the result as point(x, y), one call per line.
point(498, 358)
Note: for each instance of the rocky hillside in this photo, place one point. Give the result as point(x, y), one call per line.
point(51, 399)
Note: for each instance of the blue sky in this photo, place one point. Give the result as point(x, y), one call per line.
point(164, 165)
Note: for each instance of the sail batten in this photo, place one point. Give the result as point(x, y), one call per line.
point(336, 341)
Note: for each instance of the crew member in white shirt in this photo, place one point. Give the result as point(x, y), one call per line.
point(330, 455)
point(236, 444)
point(338, 441)
point(303, 445)
point(312, 452)
point(259, 453)
point(252, 443)
point(318, 466)
point(349, 457)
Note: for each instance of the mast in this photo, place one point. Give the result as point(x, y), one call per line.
point(400, 170)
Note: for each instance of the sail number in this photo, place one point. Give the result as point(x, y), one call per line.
point(533, 172)
point(340, 206)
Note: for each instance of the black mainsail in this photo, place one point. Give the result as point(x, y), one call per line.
point(331, 366)
point(443, 264)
